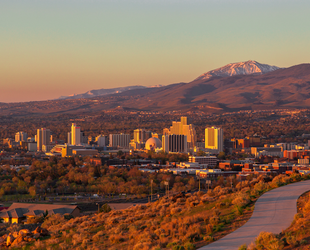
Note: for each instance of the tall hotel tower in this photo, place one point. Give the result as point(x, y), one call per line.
point(182, 128)
point(214, 139)
point(43, 138)
point(75, 135)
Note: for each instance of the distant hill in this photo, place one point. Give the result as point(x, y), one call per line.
point(101, 92)
point(233, 89)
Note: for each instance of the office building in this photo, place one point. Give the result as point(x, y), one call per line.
point(101, 140)
point(43, 138)
point(32, 146)
point(182, 128)
point(141, 135)
point(75, 134)
point(119, 140)
point(69, 138)
point(174, 143)
point(21, 136)
point(211, 161)
point(214, 139)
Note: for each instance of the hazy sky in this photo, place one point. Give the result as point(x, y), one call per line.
point(50, 48)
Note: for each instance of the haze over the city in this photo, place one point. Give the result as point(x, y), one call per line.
point(52, 48)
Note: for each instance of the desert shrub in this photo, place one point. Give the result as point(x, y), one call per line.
point(116, 239)
point(303, 242)
point(68, 216)
point(14, 228)
point(239, 210)
point(34, 219)
point(171, 244)
point(298, 216)
point(208, 238)
point(295, 177)
point(209, 229)
point(53, 220)
point(105, 208)
point(214, 220)
point(241, 199)
point(260, 186)
point(243, 247)
point(280, 180)
point(216, 212)
point(268, 241)
point(175, 210)
point(189, 246)
point(291, 240)
point(306, 207)
point(181, 200)
point(98, 236)
point(210, 193)
point(39, 245)
point(217, 189)
point(220, 205)
point(224, 191)
point(162, 212)
point(178, 247)
point(242, 184)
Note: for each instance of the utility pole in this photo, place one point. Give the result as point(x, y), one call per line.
point(98, 207)
point(167, 188)
point(151, 190)
point(208, 182)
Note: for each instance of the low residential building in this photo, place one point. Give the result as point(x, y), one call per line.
point(19, 212)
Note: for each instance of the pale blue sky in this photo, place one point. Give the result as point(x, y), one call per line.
point(50, 48)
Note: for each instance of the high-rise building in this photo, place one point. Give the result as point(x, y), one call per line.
point(174, 143)
point(75, 134)
point(43, 138)
point(182, 128)
point(101, 140)
point(21, 136)
point(119, 140)
point(69, 138)
point(214, 139)
point(141, 135)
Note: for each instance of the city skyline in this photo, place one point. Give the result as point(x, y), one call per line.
point(55, 48)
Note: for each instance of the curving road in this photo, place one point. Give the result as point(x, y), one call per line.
point(274, 211)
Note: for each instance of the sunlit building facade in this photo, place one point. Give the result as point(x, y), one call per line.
point(43, 138)
point(75, 134)
point(214, 139)
point(182, 128)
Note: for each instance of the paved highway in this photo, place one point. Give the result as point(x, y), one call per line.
point(274, 211)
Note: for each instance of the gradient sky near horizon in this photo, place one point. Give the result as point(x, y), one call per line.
point(50, 48)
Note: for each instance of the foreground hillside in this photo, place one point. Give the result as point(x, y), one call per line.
point(180, 222)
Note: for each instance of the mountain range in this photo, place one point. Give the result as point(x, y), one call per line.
point(238, 86)
point(101, 92)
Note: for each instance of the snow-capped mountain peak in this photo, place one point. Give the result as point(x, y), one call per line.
point(241, 68)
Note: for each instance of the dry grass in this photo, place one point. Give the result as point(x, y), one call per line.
point(191, 220)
